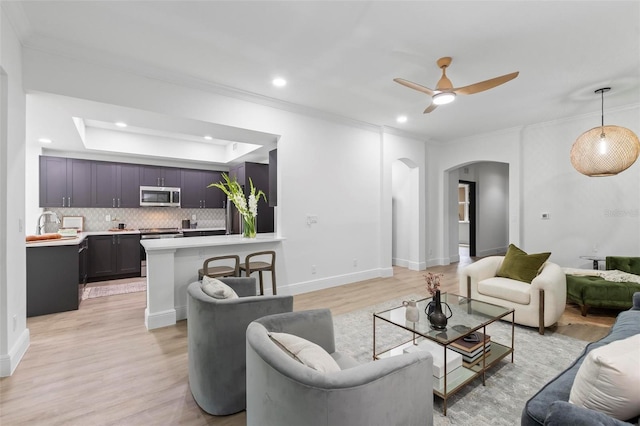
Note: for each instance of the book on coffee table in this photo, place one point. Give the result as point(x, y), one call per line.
point(470, 346)
point(472, 351)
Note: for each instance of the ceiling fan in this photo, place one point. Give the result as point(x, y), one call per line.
point(445, 93)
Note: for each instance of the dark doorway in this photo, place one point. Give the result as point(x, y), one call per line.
point(471, 215)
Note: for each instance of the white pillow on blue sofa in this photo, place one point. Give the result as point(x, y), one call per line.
point(608, 380)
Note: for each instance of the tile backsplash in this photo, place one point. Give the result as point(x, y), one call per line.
point(145, 217)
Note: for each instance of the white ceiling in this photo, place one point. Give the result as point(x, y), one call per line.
point(341, 57)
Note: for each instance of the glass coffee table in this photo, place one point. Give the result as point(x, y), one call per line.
point(468, 316)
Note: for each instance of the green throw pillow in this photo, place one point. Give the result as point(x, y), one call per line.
point(518, 265)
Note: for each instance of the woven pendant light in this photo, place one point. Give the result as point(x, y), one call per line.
point(605, 150)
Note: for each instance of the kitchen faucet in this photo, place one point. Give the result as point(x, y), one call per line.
point(47, 213)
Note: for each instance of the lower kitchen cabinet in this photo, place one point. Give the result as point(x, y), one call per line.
point(53, 282)
point(113, 256)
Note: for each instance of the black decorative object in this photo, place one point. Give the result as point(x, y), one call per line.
point(434, 312)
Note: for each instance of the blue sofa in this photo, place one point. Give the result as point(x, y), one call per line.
point(551, 407)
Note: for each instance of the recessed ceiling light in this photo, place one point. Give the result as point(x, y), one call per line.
point(45, 140)
point(207, 137)
point(121, 124)
point(401, 119)
point(279, 82)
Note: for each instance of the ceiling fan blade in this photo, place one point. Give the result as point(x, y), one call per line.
point(414, 86)
point(485, 85)
point(430, 108)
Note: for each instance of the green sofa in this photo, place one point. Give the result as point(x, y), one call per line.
point(594, 291)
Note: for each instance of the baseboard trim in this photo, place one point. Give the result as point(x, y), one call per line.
point(159, 319)
point(181, 312)
point(9, 362)
point(335, 281)
point(492, 252)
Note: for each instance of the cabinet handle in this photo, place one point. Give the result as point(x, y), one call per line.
point(162, 181)
point(113, 240)
point(204, 204)
point(118, 202)
point(68, 201)
point(158, 181)
point(113, 202)
point(62, 201)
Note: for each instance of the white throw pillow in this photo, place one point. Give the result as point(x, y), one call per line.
point(308, 353)
point(217, 289)
point(609, 379)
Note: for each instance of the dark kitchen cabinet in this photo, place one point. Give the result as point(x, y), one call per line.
point(115, 185)
point(159, 176)
point(259, 174)
point(113, 256)
point(53, 284)
point(65, 182)
point(195, 193)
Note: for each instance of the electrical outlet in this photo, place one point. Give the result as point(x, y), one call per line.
point(313, 269)
point(193, 217)
point(545, 216)
point(108, 218)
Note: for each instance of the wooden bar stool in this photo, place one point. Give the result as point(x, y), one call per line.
point(221, 270)
point(259, 266)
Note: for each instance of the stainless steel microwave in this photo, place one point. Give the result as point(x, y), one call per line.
point(158, 196)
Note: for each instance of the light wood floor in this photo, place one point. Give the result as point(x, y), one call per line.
point(100, 366)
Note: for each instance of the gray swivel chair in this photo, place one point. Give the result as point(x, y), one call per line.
point(216, 342)
point(282, 391)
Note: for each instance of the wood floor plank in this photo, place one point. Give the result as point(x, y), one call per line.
point(100, 366)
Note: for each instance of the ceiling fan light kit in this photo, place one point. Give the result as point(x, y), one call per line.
point(605, 150)
point(443, 98)
point(445, 93)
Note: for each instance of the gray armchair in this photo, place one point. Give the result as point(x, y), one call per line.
point(282, 391)
point(216, 342)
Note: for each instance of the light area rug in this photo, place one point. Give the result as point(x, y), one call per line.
point(113, 289)
point(537, 359)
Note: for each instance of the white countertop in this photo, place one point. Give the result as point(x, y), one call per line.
point(214, 240)
point(76, 240)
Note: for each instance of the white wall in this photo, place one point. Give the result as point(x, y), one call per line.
point(492, 225)
point(14, 335)
point(588, 216)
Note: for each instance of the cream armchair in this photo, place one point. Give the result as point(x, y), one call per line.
point(539, 304)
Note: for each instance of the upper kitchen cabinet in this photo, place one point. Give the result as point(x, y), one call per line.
point(159, 176)
point(195, 193)
point(65, 182)
point(115, 185)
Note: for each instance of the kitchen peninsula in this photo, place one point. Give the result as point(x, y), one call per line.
point(173, 263)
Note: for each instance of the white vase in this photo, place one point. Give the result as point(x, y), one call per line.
point(412, 314)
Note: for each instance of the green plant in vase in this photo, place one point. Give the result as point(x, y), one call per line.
point(248, 208)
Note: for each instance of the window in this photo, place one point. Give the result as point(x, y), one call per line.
point(463, 202)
